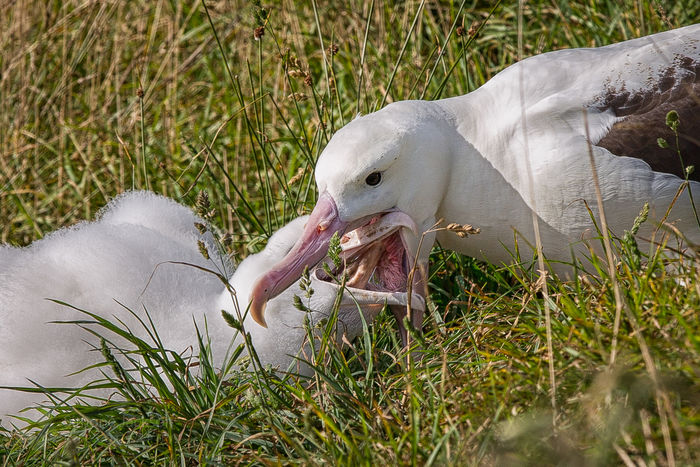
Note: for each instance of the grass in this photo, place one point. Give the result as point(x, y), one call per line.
point(178, 97)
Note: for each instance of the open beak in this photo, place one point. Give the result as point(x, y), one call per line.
point(363, 297)
point(371, 302)
point(312, 247)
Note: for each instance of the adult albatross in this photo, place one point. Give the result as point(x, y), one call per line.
point(517, 145)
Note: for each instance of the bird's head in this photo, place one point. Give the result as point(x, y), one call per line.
point(381, 180)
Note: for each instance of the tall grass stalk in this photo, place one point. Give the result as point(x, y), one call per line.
point(542, 270)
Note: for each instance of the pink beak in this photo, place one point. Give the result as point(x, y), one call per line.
point(311, 248)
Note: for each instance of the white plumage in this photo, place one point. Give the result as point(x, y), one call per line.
point(126, 256)
point(519, 144)
point(93, 266)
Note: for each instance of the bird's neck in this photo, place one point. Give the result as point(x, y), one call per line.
point(476, 117)
point(477, 192)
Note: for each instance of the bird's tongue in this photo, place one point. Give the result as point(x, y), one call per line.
point(311, 247)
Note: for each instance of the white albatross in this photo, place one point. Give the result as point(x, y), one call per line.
point(517, 145)
point(125, 260)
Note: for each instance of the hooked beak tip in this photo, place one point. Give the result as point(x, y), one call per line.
point(257, 311)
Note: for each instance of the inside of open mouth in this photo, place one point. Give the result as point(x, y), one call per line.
point(382, 264)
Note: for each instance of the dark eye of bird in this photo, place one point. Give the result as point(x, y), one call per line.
point(373, 179)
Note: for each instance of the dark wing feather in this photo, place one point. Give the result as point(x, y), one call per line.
point(678, 88)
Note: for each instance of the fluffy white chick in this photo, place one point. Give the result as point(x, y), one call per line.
point(128, 259)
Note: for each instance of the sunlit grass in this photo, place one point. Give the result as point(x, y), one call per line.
point(101, 97)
